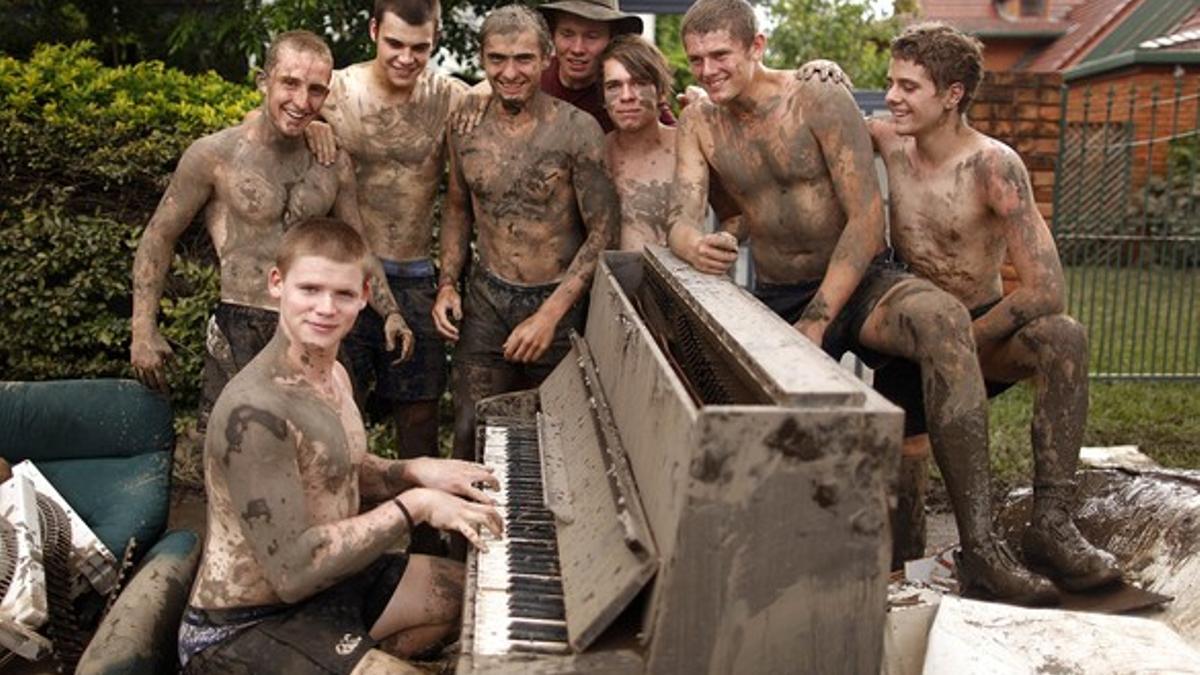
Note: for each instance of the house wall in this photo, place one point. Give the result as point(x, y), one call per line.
point(1132, 94)
point(1023, 110)
point(1002, 55)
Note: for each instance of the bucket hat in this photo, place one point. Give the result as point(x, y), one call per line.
point(597, 10)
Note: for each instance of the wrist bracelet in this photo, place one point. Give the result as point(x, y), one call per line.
point(404, 510)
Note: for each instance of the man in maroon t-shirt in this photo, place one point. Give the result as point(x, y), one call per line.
point(581, 30)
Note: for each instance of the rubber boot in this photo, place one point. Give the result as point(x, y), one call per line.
point(1052, 541)
point(992, 572)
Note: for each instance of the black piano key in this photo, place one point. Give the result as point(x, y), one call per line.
point(537, 613)
point(547, 603)
point(524, 584)
point(528, 630)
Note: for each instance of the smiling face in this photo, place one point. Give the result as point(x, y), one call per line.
point(319, 300)
point(721, 64)
point(631, 103)
point(295, 89)
point(914, 101)
point(514, 63)
point(578, 43)
point(402, 50)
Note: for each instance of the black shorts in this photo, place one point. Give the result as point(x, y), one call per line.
point(900, 382)
point(326, 634)
point(841, 336)
point(494, 307)
point(423, 376)
point(235, 335)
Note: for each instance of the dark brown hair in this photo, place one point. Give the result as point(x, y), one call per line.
point(412, 12)
point(642, 59)
point(947, 54)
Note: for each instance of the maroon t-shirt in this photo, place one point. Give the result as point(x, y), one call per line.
point(589, 99)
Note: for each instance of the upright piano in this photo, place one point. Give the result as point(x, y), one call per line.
point(696, 488)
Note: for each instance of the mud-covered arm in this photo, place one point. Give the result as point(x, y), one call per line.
point(380, 478)
point(845, 144)
point(599, 208)
point(1041, 287)
point(259, 450)
point(712, 253)
point(345, 207)
point(455, 242)
point(190, 188)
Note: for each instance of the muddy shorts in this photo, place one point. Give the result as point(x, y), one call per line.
point(235, 335)
point(841, 336)
point(493, 308)
point(364, 352)
point(328, 633)
point(900, 382)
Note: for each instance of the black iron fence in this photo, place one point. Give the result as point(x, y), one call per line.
point(1127, 224)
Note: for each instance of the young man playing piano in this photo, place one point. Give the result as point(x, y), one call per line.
point(531, 180)
point(961, 201)
point(294, 578)
point(795, 157)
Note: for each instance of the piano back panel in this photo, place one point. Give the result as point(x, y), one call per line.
point(782, 552)
point(654, 413)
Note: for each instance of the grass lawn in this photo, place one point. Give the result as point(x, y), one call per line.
point(1161, 418)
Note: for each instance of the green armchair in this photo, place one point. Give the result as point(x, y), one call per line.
point(106, 446)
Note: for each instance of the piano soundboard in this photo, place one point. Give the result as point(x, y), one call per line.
point(696, 488)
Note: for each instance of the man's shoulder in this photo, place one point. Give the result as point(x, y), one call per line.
point(252, 395)
point(580, 123)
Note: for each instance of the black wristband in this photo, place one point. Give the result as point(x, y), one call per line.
point(404, 510)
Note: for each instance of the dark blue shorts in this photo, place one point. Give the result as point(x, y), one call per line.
point(841, 336)
point(900, 382)
point(325, 635)
point(423, 376)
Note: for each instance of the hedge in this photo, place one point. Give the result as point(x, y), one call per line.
point(85, 153)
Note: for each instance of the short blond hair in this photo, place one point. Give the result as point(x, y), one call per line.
point(322, 237)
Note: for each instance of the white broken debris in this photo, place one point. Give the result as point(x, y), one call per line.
point(970, 637)
point(1116, 457)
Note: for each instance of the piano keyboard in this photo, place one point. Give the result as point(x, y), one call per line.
point(519, 602)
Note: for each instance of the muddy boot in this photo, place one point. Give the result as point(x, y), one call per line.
point(1053, 541)
point(992, 572)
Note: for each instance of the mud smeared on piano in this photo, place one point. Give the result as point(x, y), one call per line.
point(695, 489)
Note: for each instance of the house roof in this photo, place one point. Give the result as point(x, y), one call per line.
point(1089, 21)
point(1082, 32)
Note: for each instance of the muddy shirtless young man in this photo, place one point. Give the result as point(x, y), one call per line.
point(294, 579)
point(531, 179)
point(959, 201)
point(641, 149)
point(390, 115)
point(795, 157)
point(252, 181)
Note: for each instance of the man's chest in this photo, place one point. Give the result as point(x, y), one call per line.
point(515, 172)
point(388, 137)
point(265, 192)
point(771, 152)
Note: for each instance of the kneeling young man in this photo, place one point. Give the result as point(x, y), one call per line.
point(959, 201)
point(294, 579)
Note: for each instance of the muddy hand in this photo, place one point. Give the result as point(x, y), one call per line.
point(149, 357)
point(395, 330)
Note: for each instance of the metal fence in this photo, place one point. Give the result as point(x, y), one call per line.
point(1127, 224)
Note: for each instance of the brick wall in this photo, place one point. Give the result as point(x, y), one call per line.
point(1023, 110)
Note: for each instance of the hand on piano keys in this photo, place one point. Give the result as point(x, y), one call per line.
point(445, 511)
point(453, 476)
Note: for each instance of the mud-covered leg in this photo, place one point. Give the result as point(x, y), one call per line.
point(472, 382)
point(416, 429)
point(1054, 348)
point(908, 519)
point(922, 323)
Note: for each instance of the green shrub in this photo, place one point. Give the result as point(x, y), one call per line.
point(85, 153)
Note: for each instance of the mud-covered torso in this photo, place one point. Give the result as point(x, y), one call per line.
point(643, 178)
point(522, 184)
point(399, 154)
point(258, 192)
point(329, 445)
point(941, 224)
point(771, 165)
